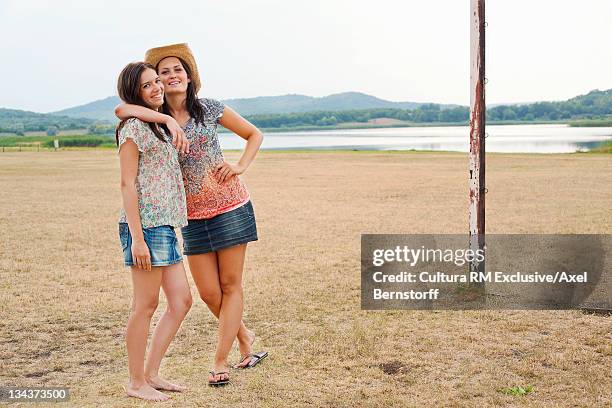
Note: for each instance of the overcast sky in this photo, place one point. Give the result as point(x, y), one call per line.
point(58, 53)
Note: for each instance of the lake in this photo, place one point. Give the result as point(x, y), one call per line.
point(556, 138)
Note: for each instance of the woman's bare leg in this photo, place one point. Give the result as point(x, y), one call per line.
point(230, 264)
point(175, 285)
point(205, 272)
point(146, 297)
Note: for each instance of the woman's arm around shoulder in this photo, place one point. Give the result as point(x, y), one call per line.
point(125, 111)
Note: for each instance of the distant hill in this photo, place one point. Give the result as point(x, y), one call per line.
point(302, 103)
point(103, 108)
point(600, 101)
point(19, 121)
point(592, 105)
point(349, 108)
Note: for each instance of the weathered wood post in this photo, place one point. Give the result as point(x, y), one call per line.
point(477, 132)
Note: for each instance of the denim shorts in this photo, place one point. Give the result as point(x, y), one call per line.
point(222, 231)
point(162, 242)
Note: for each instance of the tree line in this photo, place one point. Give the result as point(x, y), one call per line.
point(596, 104)
point(18, 122)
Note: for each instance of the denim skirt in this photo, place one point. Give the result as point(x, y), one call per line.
point(162, 242)
point(222, 231)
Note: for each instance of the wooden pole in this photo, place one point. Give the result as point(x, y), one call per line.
point(477, 132)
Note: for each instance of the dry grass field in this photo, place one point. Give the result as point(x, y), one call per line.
point(64, 296)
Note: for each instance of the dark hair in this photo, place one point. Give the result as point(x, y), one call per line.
point(194, 107)
point(128, 87)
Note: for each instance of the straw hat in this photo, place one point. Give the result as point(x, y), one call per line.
point(182, 51)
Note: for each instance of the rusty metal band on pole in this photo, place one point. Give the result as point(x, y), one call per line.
point(477, 130)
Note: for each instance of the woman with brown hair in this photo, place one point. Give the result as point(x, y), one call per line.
point(153, 205)
point(219, 210)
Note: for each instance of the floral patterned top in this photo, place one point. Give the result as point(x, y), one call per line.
point(206, 197)
point(161, 195)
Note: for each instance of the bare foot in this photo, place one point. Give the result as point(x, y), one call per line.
point(161, 384)
point(245, 345)
point(146, 392)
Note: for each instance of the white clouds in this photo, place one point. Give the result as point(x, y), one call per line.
point(62, 53)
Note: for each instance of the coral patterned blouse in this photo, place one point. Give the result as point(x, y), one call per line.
point(206, 197)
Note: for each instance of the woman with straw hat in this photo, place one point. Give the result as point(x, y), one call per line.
point(220, 215)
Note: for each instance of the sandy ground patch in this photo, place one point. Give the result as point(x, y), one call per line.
point(65, 296)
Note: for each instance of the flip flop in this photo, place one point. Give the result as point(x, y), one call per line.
point(255, 359)
point(220, 382)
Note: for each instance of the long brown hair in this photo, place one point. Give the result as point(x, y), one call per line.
point(128, 87)
point(194, 107)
